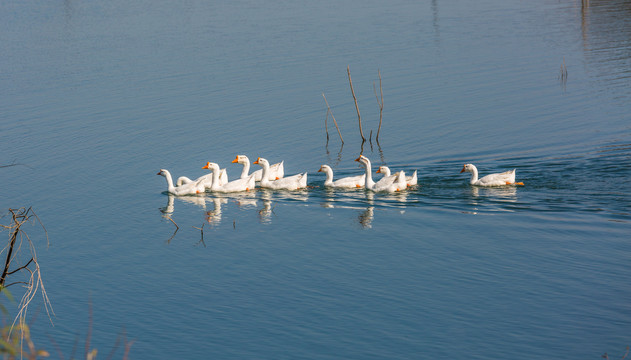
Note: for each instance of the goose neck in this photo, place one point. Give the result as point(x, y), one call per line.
point(474, 174)
point(246, 169)
point(265, 174)
point(329, 176)
point(167, 175)
point(215, 171)
point(369, 181)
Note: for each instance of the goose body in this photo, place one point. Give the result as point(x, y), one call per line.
point(207, 179)
point(241, 184)
point(347, 182)
point(276, 171)
point(294, 182)
point(191, 188)
point(390, 183)
point(499, 179)
point(409, 180)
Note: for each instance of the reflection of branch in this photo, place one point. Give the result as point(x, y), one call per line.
point(361, 132)
point(176, 229)
point(201, 229)
point(339, 155)
point(326, 126)
point(381, 153)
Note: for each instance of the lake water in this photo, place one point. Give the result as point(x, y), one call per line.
point(98, 96)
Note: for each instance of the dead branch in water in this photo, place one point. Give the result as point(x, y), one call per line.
point(380, 103)
point(335, 122)
point(350, 81)
point(34, 282)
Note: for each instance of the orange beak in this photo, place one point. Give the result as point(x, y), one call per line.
point(236, 159)
point(158, 172)
point(207, 166)
point(358, 158)
point(257, 160)
point(461, 171)
point(320, 170)
point(378, 171)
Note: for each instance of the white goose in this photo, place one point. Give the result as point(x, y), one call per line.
point(410, 180)
point(499, 179)
point(207, 179)
point(243, 184)
point(390, 183)
point(347, 182)
point(191, 188)
point(276, 171)
point(288, 183)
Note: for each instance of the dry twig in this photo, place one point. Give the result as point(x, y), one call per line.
point(380, 103)
point(361, 132)
point(335, 122)
point(34, 282)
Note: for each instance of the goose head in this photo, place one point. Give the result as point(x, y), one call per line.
point(261, 161)
point(325, 168)
point(468, 168)
point(241, 159)
point(363, 160)
point(211, 166)
point(162, 172)
point(383, 170)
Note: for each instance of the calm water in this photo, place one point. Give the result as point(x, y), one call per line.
point(97, 97)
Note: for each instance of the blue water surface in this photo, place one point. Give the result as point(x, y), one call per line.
point(98, 97)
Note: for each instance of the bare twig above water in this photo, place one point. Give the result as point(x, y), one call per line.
point(380, 103)
point(350, 81)
point(33, 282)
point(335, 122)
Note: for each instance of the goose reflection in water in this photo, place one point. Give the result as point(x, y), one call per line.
point(195, 200)
point(492, 198)
point(245, 199)
point(213, 217)
point(265, 214)
point(365, 217)
point(328, 198)
point(168, 210)
point(501, 193)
